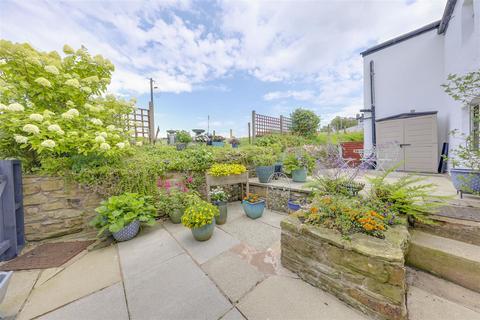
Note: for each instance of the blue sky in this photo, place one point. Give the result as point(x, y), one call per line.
point(224, 58)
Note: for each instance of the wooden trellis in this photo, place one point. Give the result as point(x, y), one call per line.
point(139, 121)
point(262, 124)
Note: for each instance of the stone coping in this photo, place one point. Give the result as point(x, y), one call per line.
point(390, 249)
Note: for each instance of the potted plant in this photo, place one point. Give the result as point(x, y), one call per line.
point(465, 158)
point(219, 198)
point(218, 141)
point(253, 206)
point(183, 138)
point(264, 166)
point(172, 203)
point(200, 216)
point(298, 164)
point(122, 215)
point(235, 142)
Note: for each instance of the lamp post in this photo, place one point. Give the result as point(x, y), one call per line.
point(151, 113)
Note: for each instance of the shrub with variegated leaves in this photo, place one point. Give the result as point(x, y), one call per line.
point(54, 105)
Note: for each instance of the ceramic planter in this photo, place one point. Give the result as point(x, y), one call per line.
point(264, 173)
point(203, 233)
point(176, 216)
point(253, 210)
point(278, 167)
point(222, 208)
point(466, 180)
point(293, 206)
point(128, 232)
point(181, 146)
point(218, 143)
point(299, 175)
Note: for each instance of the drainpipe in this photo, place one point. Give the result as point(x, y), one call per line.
point(372, 102)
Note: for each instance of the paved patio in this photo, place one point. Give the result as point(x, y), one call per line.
point(165, 274)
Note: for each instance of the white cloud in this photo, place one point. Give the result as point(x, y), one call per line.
point(302, 95)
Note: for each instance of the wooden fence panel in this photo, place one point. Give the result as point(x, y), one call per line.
point(263, 125)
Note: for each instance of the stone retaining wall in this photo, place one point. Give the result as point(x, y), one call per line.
point(366, 272)
point(277, 197)
point(54, 208)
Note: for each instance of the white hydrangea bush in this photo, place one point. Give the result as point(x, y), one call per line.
point(52, 105)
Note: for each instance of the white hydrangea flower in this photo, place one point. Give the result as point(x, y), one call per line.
point(67, 116)
point(139, 143)
point(103, 134)
point(47, 114)
point(70, 104)
point(70, 114)
point(15, 107)
point(54, 128)
point(20, 139)
point(87, 90)
point(110, 127)
point(67, 49)
point(43, 82)
point(99, 139)
point(31, 128)
point(36, 117)
point(3, 107)
point(105, 146)
point(48, 144)
point(2, 62)
point(120, 145)
point(52, 69)
point(92, 79)
point(72, 83)
point(30, 104)
point(116, 136)
point(88, 106)
point(96, 121)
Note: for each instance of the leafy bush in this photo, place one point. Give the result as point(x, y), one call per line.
point(52, 106)
point(184, 137)
point(199, 213)
point(339, 185)
point(168, 202)
point(264, 159)
point(118, 212)
point(225, 169)
point(280, 142)
point(298, 159)
point(407, 195)
point(304, 122)
point(347, 215)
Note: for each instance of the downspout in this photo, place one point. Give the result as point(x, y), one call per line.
point(372, 101)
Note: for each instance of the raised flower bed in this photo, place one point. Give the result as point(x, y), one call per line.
point(226, 174)
point(366, 272)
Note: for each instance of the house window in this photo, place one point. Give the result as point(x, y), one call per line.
point(475, 125)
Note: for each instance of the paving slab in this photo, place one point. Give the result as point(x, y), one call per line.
point(272, 218)
point(424, 305)
point(96, 270)
point(201, 251)
point(255, 233)
point(46, 275)
point(18, 291)
point(174, 289)
point(108, 303)
point(293, 299)
point(233, 275)
point(233, 314)
point(146, 251)
point(235, 211)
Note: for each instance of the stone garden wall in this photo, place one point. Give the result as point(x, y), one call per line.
point(277, 197)
point(366, 272)
point(54, 208)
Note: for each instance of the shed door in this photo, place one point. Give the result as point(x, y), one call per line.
point(390, 132)
point(418, 138)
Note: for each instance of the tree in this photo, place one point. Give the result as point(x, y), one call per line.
point(304, 122)
point(52, 106)
point(339, 123)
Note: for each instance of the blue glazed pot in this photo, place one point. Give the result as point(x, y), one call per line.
point(292, 206)
point(264, 173)
point(127, 233)
point(223, 212)
point(204, 232)
point(253, 210)
point(234, 145)
point(299, 175)
point(278, 167)
point(466, 180)
point(218, 143)
point(176, 216)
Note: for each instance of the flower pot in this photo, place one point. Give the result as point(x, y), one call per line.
point(253, 210)
point(204, 232)
point(299, 175)
point(128, 232)
point(181, 146)
point(264, 173)
point(222, 208)
point(466, 180)
point(176, 216)
point(218, 143)
point(234, 145)
point(292, 206)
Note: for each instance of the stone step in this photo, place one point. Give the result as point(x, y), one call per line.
point(449, 259)
point(453, 228)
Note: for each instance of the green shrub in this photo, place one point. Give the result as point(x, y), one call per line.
point(296, 160)
point(264, 159)
point(323, 185)
point(305, 122)
point(199, 213)
point(118, 212)
point(184, 137)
